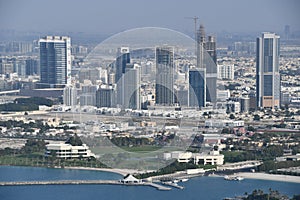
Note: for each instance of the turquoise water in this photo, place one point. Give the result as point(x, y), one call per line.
point(196, 188)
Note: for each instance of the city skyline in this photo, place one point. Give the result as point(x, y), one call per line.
point(96, 17)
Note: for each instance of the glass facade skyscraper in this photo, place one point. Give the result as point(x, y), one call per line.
point(123, 58)
point(164, 86)
point(197, 92)
point(132, 83)
point(267, 71)
point(207, 59)
point(55, 61)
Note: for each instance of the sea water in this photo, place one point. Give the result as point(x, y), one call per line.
point(195, 188)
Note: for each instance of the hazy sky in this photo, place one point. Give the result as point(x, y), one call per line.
point(101, 16)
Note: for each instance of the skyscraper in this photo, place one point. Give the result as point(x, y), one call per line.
point(211, 70)
point(197, 92)
point(55, 61)
point(123, 58)
point(207, 59)
point(267, 71)
point(210, 47)
point(132, 82)
point(200, 47)
point(164, 86)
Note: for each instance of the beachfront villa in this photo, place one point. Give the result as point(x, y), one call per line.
point(211, 158)
point(67, 151)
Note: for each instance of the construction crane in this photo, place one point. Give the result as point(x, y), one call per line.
point(195, 23)
point(195, 33)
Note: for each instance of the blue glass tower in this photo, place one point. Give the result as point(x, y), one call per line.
point(267, 71)
point(55, 61)
point(197, 92)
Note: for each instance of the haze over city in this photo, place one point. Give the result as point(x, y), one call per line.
point(113, 16)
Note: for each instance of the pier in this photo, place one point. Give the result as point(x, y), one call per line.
point(173, 185)
point(83, 182)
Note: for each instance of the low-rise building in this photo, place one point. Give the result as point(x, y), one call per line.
point(211, 158)
point(67, 151)
point(216, 123)
point(181, 156)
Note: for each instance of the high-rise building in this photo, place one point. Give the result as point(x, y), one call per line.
point(245, 104)
point(211, 70)
point(200, 47)
point(267, 71)
point(88, 94)
point(105, 97)
point(197, 92)
point(164, 86)
point(32, 66)
point(55, 61)
point(20, 67)
point(92, 74)
point(226, 72)
point(123, 58)
point(87, 99)
point(70, 96)
point(253, 102)
point(111, 78)
point(207, 58)
point(211, 48)
point(285, 98)
point(132, 82)
point(6, 66)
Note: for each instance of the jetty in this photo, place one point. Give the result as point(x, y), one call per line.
point(175, 185)
point(83, 182)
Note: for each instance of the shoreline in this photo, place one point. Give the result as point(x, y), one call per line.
point(247, 175)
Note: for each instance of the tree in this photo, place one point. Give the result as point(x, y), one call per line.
point(250, 128)
point(225, 131)
point(74, 141)
point(33, 145)
point(256, 117)
point(232, 116)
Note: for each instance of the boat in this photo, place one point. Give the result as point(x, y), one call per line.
point(233, 178)
point(239, 178)
point(184, 180)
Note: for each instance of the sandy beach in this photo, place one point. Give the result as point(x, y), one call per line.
point(271, 177)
